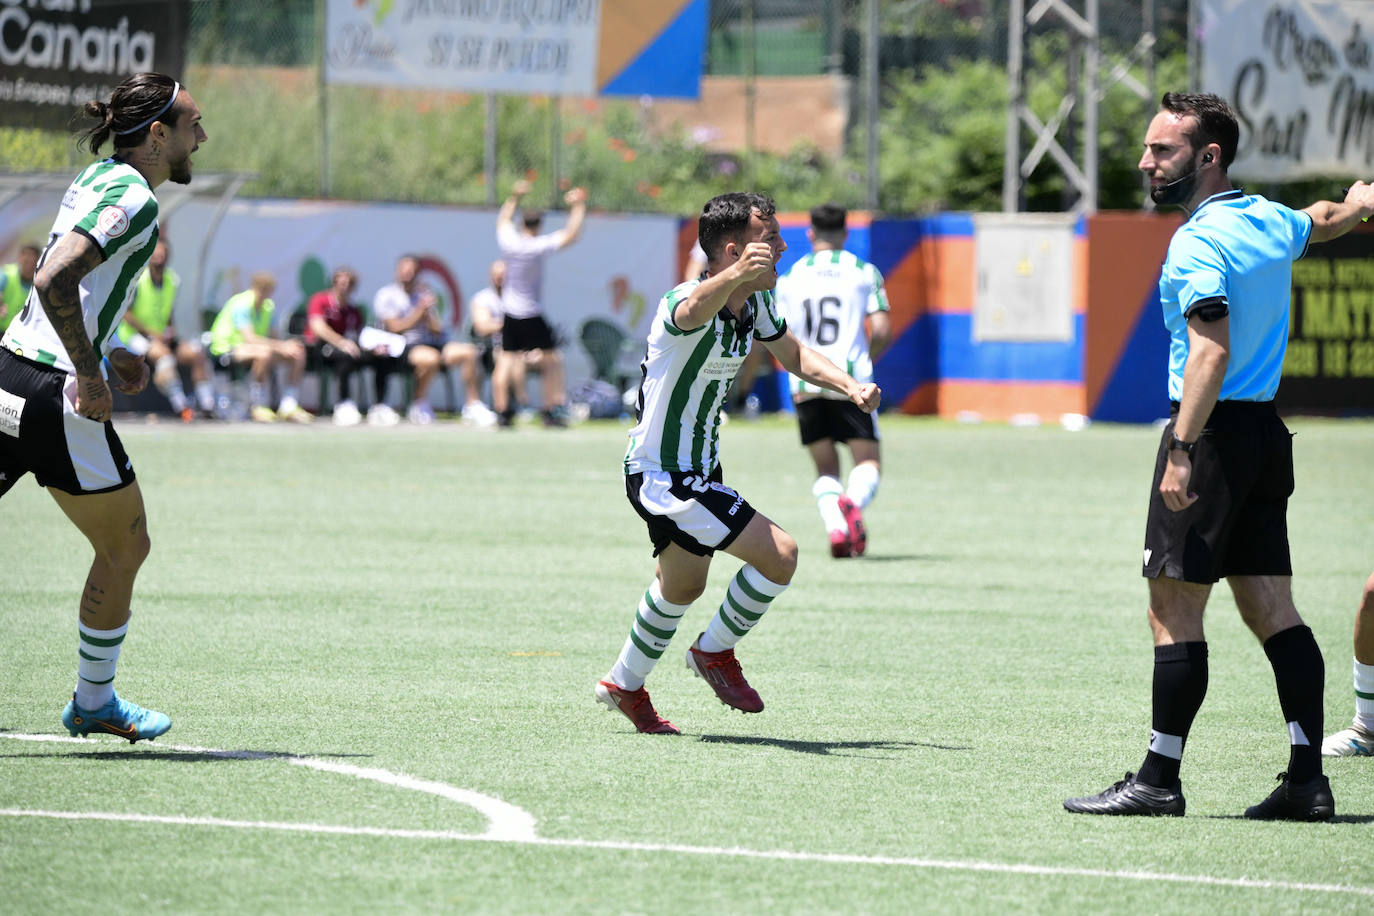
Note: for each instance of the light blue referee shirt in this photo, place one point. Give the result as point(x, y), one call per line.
point(1236, 250)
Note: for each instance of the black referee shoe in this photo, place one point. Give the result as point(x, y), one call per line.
point(1131, 797)
point(1307, 801)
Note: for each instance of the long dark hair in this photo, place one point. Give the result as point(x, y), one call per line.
point(139, 98)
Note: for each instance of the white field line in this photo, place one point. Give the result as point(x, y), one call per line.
point(510, 824)
point(505, 821)
point(736, 852)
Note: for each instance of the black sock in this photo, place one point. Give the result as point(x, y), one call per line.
point(1180, 683)
point(1300, 676)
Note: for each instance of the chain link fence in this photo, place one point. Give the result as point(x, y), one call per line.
point(896, 104)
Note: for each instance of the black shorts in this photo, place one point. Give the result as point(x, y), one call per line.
point(700, 516)
point(831, 418)
point(519, 335)
point(1243, 476)
point(41, 433)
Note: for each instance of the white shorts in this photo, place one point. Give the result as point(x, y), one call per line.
point(41, 433)
point(698, 513)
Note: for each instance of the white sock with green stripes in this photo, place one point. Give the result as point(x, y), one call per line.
point(96, 669)
point(828, 491)
point(654, 626)
point(863, 484)
point(1364, 696)
point(748, 596)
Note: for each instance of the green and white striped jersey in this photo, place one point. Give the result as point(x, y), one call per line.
point(825, 298)
point(112, 205)
point(687, 376)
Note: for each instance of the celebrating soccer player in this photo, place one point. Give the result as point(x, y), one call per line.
point(700, 335)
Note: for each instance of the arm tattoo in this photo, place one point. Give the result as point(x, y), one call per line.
point(59, 291)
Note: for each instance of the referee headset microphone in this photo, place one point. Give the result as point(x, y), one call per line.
point(1170, 185)
point(1177, 192)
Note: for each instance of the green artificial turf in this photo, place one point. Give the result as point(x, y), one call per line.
point(437, 603)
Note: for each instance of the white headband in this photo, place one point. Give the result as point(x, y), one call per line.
point(176, 87)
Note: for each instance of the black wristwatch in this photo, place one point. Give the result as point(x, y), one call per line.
point(1177, 444)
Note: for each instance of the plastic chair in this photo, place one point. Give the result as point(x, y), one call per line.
point(605, 343)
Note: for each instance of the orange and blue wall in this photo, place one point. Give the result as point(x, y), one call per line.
point(1112, 368)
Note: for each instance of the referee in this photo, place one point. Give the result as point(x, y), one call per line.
point(1224, 469)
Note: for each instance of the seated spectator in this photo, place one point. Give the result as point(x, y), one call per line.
point(409, 308)
point(333, 324)
point(16, 281)
point(484, 309)
point(147, 331)
point(487, 321)
point(242, 332)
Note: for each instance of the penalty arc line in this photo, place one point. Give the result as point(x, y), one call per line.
point(505, 821)
point(511, 824)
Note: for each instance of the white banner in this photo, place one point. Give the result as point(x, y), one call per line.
point(523, 46)
point(1300, 75)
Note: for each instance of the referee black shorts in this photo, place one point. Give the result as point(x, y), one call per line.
point(1243, 476)
point(41, 433)
point(830, 418)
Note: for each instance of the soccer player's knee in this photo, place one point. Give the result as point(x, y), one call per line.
point(127, 553)
point(786, 564)
point(1367, 599)
point(682, 592)
point(142, 546)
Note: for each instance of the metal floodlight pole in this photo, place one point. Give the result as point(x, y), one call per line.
point(1092, 65)
point(1194, 48)
point(555, 149)
point(1082, 92)
point(1151, 89)
point(1016, 89)
point(871, 102)
point(750, 87)
point(489, 150)
point(323, 89)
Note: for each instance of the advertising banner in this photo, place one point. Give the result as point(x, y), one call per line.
point(552, 47)
point(1300, 75)
point(59, 54)
point(1329, 365)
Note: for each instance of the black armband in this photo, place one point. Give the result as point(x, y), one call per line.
point(1213, 309)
